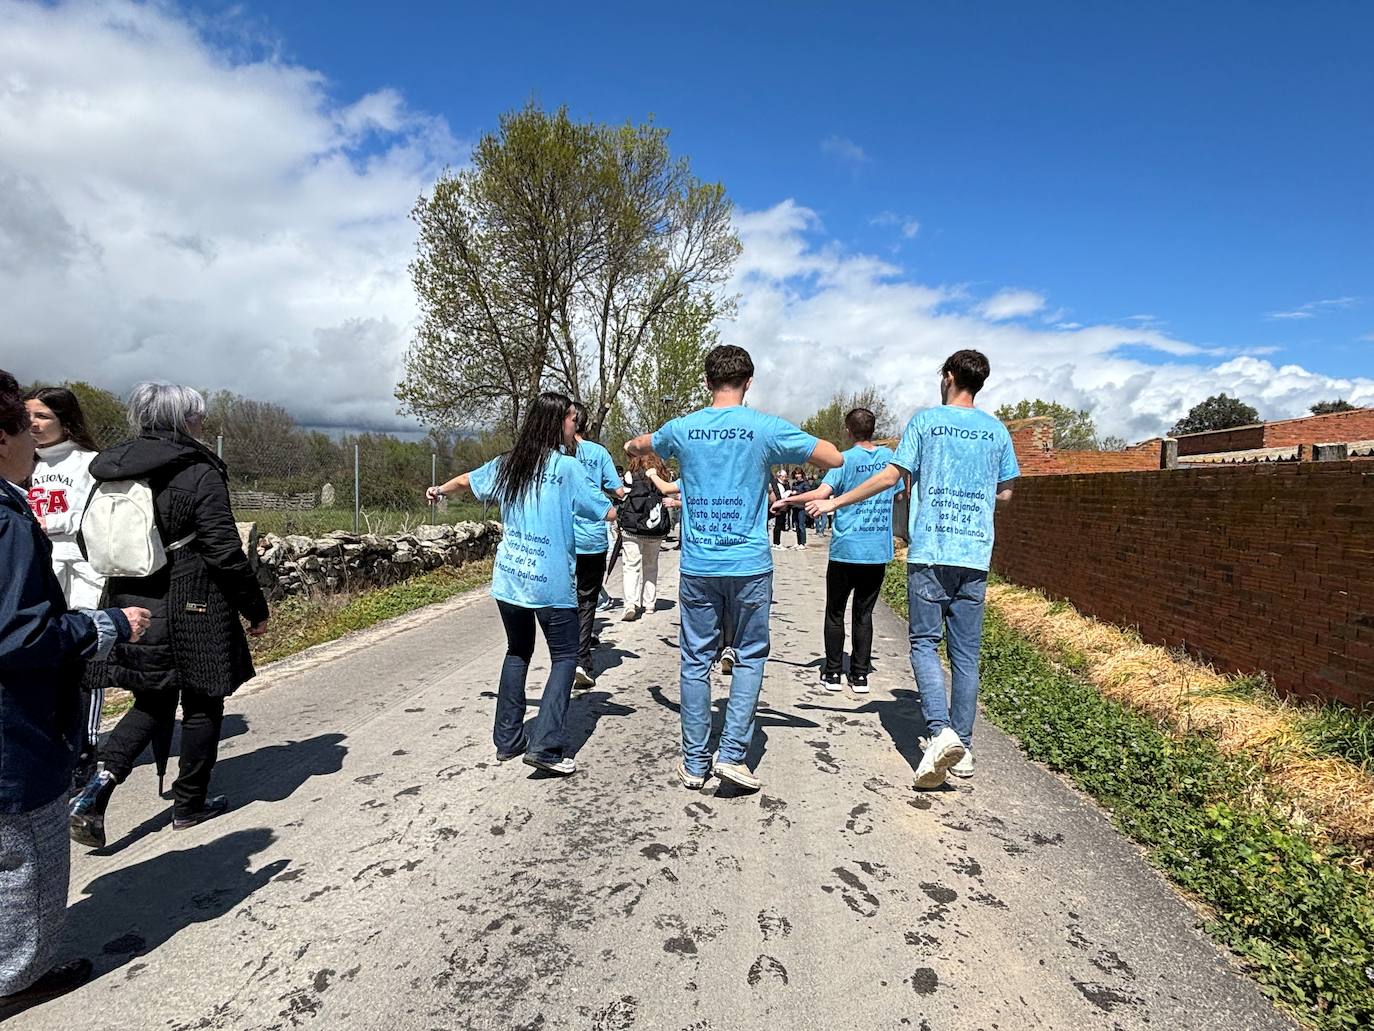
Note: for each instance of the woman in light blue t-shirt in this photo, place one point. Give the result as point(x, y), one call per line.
point(540, 486)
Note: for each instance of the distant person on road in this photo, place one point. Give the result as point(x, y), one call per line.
point(42, 644)
point(859, 554)
point(58, 491)
point(195, 653)
point(644, 523)
point(724, 452)
point(961, 464)
point(541, 487)
point(593, 543)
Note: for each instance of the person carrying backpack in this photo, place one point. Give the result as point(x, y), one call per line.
point(160, 527)
point(644, 523)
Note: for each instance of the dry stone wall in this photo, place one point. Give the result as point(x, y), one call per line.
point(343, 561)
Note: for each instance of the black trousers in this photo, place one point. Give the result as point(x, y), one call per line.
point(591, 570)
point(864, 580)
point(156, 711)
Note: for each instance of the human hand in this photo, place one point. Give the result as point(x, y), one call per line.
point(258, 629)
point(138, 621)
point(778, 506)
point(434, 495)
point(671, 503)
point(820, 508)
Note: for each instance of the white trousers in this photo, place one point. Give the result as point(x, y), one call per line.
point(82, 586)
point(640, 555)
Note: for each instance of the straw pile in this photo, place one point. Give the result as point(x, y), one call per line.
point(1333, 795)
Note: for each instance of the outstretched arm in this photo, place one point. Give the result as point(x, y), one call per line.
point(664, 487)
point(884, 479)
point(459, 482)
point(641, 446)
point(826, 455)
point(792, 500)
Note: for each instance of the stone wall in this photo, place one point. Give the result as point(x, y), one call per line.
point(342, 561)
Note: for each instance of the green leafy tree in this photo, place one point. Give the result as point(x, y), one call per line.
point(1216, 413)
point(1112, 443)
point(669, 377)
point(1073, 428)
point(552, 261)
point(828, 422)
point(1332, 407)
point(104, 411)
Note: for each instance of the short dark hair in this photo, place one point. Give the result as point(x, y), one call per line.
point(728, 366)
point(582, 419)
point(860, 423)
point(14, 416)
point(969, 368)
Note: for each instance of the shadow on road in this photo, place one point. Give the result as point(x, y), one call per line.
point(901, 718)
point(272, 773)
point(764, 717)
point(131, 912)
point(585, 711)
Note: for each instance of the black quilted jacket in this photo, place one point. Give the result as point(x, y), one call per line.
point(196, 640)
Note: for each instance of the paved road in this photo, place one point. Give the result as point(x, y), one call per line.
point(380, 870)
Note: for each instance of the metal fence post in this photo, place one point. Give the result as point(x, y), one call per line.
point(357, 487)
point(433, 482)
point(219, 447)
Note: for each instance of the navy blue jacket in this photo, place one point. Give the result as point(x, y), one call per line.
point(41, 644)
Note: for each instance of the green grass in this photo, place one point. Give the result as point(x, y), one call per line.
point(1336, 729)
point(316, 522)
point(1298, 912)
point(298, 623)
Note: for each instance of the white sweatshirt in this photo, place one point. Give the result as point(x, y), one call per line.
point(61, 486)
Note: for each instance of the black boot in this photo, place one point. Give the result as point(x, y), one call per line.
point(213, 806)
point(87, 819)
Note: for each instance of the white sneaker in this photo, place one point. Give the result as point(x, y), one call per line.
point(945, 750)
point(727, 661)
point(564, 767)
point(964, 767)
point(581, 678)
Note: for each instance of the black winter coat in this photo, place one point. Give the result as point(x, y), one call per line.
point(41, 644)
point(195, 640)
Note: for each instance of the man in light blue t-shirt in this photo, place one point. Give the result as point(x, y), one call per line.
point(961, 463)
point(859, 552)
point(592, 544)
point(725, 452)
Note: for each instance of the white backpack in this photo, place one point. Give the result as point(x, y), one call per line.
point(119, 528)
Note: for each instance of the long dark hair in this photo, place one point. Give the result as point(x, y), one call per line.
point(64, 404)
point(540, 435)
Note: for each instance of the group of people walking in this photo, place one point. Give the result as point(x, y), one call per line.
point(172, 630)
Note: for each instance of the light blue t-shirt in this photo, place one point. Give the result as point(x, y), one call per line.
point(956, 457)
point(591, 534)
point(535, 561)
point(725, 455)
point(863, 532)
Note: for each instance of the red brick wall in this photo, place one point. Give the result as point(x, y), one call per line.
point(1033, 441)
point(1252, 567)
point(1335, 428)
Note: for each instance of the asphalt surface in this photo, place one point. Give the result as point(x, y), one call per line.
point(379, 869)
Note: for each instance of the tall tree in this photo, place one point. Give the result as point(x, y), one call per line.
point(1218, 412)
point(1073, 428)
point(1332, 407)
point(668, 378)
point(551, 261)
point(828, 422)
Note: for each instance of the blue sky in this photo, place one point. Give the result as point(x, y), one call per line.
point(1128, 206)
point(1205, 164)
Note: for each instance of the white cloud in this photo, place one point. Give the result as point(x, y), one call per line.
point(819, 319)
point(167, 209)
point(845, 150)
point(1011, 304)
point(1312, 309)
point(906, 225)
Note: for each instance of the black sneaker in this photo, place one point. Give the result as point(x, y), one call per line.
point(858, 683)
point(86, 817)
point(58, 981)
point(831, 682)
point(212, 808)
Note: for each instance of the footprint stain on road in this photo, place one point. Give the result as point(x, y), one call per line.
point(924, 981)
point(618, 1016)
point(854, 892)
point(774, 925)
point(939, 893)
point(680, 945)
point(825, 762)
point(858, 822)
point(1104, 998)
point(766, 968)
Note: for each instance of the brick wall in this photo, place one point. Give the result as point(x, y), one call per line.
point(1033, 441)
point(1335, 428)
point(1253, 567)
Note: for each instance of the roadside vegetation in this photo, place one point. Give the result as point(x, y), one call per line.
point(316, 522)
point(1293, 901)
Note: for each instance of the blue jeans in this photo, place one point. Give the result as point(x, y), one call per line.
point(707, 604)
point(946, 601)
point(560, 634)
point(822, 521)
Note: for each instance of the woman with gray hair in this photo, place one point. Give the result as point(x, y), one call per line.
point(195, 651)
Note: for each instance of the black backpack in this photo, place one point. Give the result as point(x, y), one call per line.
point(642, 513)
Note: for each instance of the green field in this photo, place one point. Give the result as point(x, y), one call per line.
point(319, 521)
